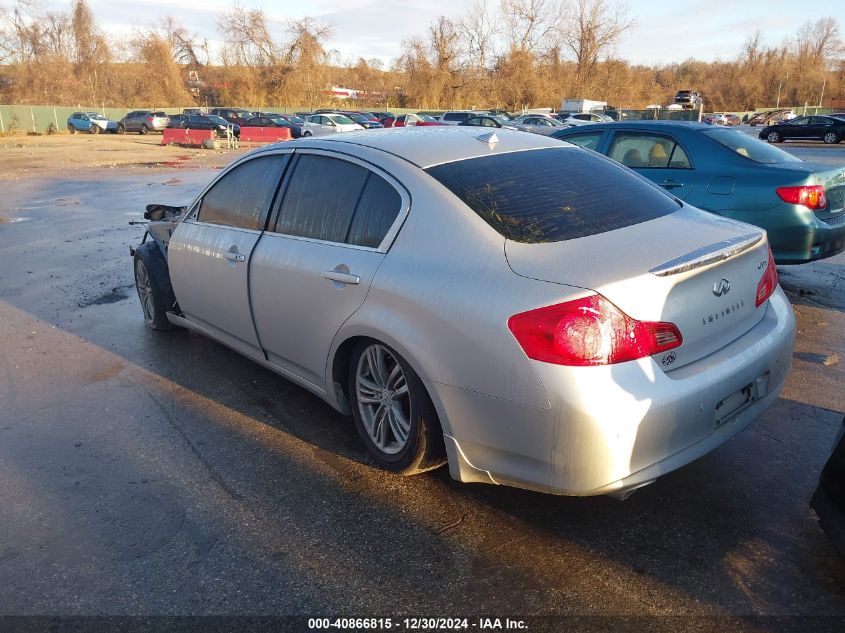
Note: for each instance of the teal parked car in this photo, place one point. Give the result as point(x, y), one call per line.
point(801, 205)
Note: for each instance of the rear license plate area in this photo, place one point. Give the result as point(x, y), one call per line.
point(730, 406)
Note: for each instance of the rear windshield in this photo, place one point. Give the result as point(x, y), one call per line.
point(750, 147)
point(161, 114)
point(554, 194)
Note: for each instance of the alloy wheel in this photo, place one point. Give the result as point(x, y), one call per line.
point(383, 399)
point(145, 291)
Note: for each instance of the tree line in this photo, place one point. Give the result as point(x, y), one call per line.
point(508, 54)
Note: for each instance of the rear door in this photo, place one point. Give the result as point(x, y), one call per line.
point(657, 156)
point(209, 252)
point(313, 267)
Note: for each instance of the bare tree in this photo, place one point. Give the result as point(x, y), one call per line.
point(531, 25)
point(246, 38)
point(478, 31)
point(594, 28)
point(819, 42)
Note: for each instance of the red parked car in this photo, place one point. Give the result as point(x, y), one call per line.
point(408, 120)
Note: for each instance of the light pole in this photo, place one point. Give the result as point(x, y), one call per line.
point(780, 83)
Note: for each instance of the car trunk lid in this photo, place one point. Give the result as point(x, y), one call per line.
point(696, 270)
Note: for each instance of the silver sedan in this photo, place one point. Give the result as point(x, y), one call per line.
point(530, 312)
point(539, 124)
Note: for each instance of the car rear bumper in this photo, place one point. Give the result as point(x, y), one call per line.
point(615, 428)
point(796, 235)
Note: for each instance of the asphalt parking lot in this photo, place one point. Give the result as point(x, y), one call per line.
point(145, 473)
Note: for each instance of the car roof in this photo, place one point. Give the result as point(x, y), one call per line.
point(428, 146)
point(653, 125)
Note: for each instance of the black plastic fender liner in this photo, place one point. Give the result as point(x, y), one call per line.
point(151, 255)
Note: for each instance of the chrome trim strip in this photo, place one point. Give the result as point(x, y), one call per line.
point(707, 255)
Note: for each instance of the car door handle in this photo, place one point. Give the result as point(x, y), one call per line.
point(344, 278)
point(234, 257)
point(671, 184)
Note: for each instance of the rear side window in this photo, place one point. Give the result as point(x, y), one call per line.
point(749, 147)
point(589, 140)
point(321, 198)
point(456, 116)
point(242, 197)
point(377, 210)
point(551, 195)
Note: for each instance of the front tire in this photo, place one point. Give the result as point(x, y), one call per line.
point(152, 281)
point(71, 129)
point(121, 129)
point(392, 410)
point(144, 129)
point(774, 137)
point(305, 134)
point(94, 129)
point(831, 138)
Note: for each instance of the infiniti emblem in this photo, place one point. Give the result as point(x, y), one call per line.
point(721, 287)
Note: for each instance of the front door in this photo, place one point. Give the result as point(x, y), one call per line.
point(209, 252)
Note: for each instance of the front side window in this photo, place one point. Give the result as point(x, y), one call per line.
point(242, 197)
point(655, 151)
point(552, 194)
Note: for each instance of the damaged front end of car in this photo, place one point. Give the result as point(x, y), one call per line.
point(152, 275)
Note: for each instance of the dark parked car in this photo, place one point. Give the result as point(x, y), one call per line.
point(274, 121)
point(381, 116)
point(829, 129)
point(233, 115)
point(728, 172)
point(689, 99)
point(829, 500)
point(771, 116)
point(489, 120)
point(364, 120)
point(204, 122)
point(143, 121)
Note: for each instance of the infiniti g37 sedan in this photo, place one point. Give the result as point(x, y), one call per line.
point(528, 311)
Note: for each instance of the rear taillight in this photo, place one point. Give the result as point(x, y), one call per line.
point(810, 196)
point(589, 331)
point(768, 282)
point(149, 119)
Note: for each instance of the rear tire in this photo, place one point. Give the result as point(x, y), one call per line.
point(121, 129)
point(392, 410)
point(774, 137)
point(831, 138)
point(71, 129)
point(144, 129)
point(152, 281)
point(304, 134)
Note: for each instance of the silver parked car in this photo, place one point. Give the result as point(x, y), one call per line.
point(539, 124)
point(531, 312)
point(143, 121)
point(322, 124)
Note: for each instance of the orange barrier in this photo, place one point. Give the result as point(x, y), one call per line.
point(264, 134)
point(185, 137)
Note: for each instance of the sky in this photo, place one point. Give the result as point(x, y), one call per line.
point(666, 31)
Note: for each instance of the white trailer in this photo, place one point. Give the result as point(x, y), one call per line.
point(581, 105)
